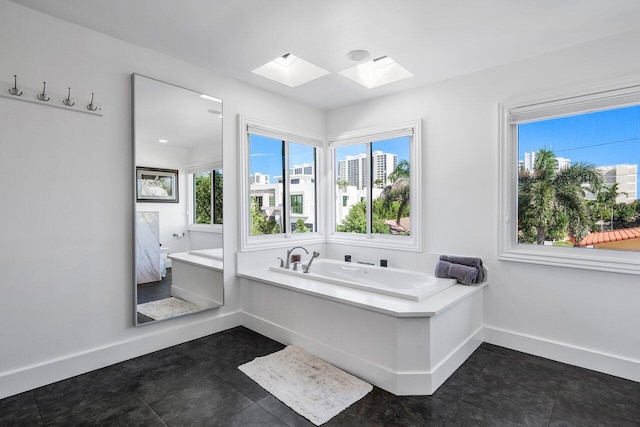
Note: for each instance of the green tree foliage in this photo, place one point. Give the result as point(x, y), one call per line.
point(399, 190)
point(356, 221)
point(300, 226)
point(261, 223)
point(203, 200)
point(551, 203)
point(218, 205)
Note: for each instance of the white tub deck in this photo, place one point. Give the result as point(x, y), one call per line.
point(361, 298)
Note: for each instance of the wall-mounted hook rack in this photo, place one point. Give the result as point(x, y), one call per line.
point(14, 90)
point(67, 100)
point(91, 107)
point(41, 97)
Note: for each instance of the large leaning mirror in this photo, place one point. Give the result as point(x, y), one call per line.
point(177, 136)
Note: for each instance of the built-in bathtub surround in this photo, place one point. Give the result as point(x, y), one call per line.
point(198, 277)
point(403, 346)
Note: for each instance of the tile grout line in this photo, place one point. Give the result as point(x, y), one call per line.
point(151, 407)
point(555, 401)
point(33, 396)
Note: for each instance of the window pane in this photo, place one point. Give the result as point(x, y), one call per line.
point(217, 196)
point(391, 186)
point(578, 180)
point(302, 187)
point(266, 184)
point(352, 181)
point(202, 197)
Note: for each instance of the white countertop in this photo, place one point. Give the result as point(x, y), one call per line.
point(398, 307)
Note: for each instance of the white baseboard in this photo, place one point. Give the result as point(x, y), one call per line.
point(565, 353)
point(401, 383)
point(30, 377)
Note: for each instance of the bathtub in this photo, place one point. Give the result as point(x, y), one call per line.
point(367, 320)
point(197, 277)
point(410, 285)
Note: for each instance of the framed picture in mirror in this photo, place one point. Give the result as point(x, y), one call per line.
point(156, 185)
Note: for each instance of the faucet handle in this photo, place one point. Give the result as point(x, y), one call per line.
point(281, 262)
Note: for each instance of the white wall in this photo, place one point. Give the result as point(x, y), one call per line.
point(67, 192)
point(577, 316)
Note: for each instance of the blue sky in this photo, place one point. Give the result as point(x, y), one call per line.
point(266, 155)
point(603, 138)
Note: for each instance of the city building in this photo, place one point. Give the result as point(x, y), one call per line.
point(354, 170)
point(626, 176)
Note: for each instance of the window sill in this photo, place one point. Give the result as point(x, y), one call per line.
point(614, 262)
point(258, 243)
point(205, 229)
point(377, 241)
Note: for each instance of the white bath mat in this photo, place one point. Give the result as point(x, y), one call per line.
point(168, 307)
point(310, 386)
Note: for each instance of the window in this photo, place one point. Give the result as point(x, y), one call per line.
point(375, 181)
point(281, 168)
point(207, 197)
point(296, 204)
point(569, 181)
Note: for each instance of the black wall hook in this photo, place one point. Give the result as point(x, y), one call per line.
point(91, 107)
point(14, 89)
point(67, 100)
point(42, 96)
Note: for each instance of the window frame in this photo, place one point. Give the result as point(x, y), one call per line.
point(192, 225)
point(618, 94)
point(264, 128)
point(413, 242)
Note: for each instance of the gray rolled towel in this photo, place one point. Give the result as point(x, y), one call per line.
point(462, 273)
point(469, 261)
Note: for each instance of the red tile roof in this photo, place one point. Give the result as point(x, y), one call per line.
point(610, 236)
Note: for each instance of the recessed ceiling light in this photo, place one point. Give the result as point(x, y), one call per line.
point(290, 70)
point(162, 141)
point(377, 72)
point(358, 55)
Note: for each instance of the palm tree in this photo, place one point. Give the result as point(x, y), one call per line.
point(399, 190)
point(549, 198)
point(607, 198)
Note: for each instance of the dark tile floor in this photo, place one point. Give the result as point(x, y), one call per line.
point(198, 384)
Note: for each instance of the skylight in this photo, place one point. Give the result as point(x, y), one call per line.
point(377, 72)
point(290, 70)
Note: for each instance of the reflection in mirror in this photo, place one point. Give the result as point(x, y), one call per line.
point(178, 200)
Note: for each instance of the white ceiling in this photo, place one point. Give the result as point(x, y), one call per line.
point(433, 39)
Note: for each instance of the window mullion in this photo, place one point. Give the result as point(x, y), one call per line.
point(369, 178)
point(286, 192)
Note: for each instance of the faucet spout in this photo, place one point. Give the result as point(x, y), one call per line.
point(306, 267)
point(288, 260)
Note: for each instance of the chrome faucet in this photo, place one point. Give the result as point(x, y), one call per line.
point(289, 255)
point(305, 267)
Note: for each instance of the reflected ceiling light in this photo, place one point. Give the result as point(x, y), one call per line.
point(358, 55)
point(216, 112)
point(210, 98)
point(290, 70)
point(162, 141)
point(377, 72)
